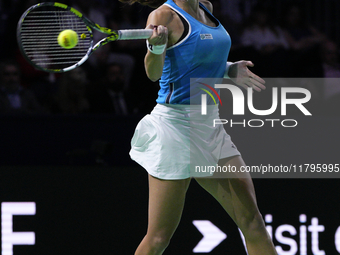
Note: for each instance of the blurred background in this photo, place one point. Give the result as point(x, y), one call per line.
point(65, 138)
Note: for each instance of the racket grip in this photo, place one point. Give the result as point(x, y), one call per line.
point(131, 34)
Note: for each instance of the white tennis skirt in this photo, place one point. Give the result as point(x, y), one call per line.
point(178, 142)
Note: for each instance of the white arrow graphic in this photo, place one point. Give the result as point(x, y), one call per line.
point(212, 236)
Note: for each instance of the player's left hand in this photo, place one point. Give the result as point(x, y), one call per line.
point(242, 76)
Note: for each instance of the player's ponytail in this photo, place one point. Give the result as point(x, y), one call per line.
point(151, 3)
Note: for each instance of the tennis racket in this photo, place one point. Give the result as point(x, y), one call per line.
point(40, 25)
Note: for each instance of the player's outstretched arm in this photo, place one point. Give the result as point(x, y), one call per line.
point(240, 74)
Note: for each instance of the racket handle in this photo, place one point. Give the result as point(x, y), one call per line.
point(130, 34)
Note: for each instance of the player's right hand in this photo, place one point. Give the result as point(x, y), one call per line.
point(159, 36)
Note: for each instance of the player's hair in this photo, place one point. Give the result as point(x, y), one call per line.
point(151, 3)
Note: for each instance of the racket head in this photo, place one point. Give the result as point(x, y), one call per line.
point(37, 35)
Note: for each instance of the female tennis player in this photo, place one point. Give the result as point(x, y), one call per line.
point(189, 42)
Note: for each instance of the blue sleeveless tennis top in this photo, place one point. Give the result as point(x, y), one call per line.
point(203, 53)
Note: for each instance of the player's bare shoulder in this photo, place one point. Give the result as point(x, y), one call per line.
point(207, 4)
point(163, 15)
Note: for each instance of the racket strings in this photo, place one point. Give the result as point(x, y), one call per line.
point(39, 37)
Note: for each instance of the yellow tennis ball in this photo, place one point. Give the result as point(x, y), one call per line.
point(68, 39)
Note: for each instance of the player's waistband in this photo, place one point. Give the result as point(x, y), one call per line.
point(186, 112)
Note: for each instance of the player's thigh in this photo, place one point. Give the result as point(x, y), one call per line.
point(166, 202)
point(236, 193)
